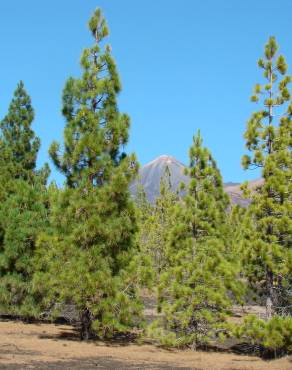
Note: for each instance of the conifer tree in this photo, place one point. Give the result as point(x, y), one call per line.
point(269, 139)
point(23, 208)
point(86, 258)
point(143, 207)
point(19, 145)
point(155, 222)
point(196, 287)
point(23, 215)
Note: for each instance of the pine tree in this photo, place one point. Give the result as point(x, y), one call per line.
point(87, 258)
point(196, 287)
point(23, 209)
point(19, 145)
point(268, 137)
point(23, 215)
point(155, 222)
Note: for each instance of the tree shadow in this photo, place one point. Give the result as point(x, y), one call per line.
point(33, 320)
point(68, 334)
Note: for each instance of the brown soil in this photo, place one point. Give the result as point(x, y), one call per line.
point(50, 346)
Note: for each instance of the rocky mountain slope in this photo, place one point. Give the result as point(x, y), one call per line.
point(150, 175)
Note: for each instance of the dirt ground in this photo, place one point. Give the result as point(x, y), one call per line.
point(50, 346)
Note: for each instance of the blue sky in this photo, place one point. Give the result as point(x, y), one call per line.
point(184, 65)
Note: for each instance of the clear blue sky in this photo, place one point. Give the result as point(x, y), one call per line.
point(184, 65)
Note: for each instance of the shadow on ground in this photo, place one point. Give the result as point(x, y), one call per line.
point(90, 364)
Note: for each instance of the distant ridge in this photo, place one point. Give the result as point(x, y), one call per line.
point(150, 176)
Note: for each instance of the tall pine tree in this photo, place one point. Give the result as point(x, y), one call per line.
point(23, 208)
point(268, 137)
point(86, 258)
point(197, 285)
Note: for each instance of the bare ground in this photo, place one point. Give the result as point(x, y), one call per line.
point(50, 346)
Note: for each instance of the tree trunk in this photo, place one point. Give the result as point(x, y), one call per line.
point(270, 302)
point(269, 310)
point(85, 324)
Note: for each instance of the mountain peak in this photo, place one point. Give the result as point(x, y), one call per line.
point(150, 176)
point(163, 160)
